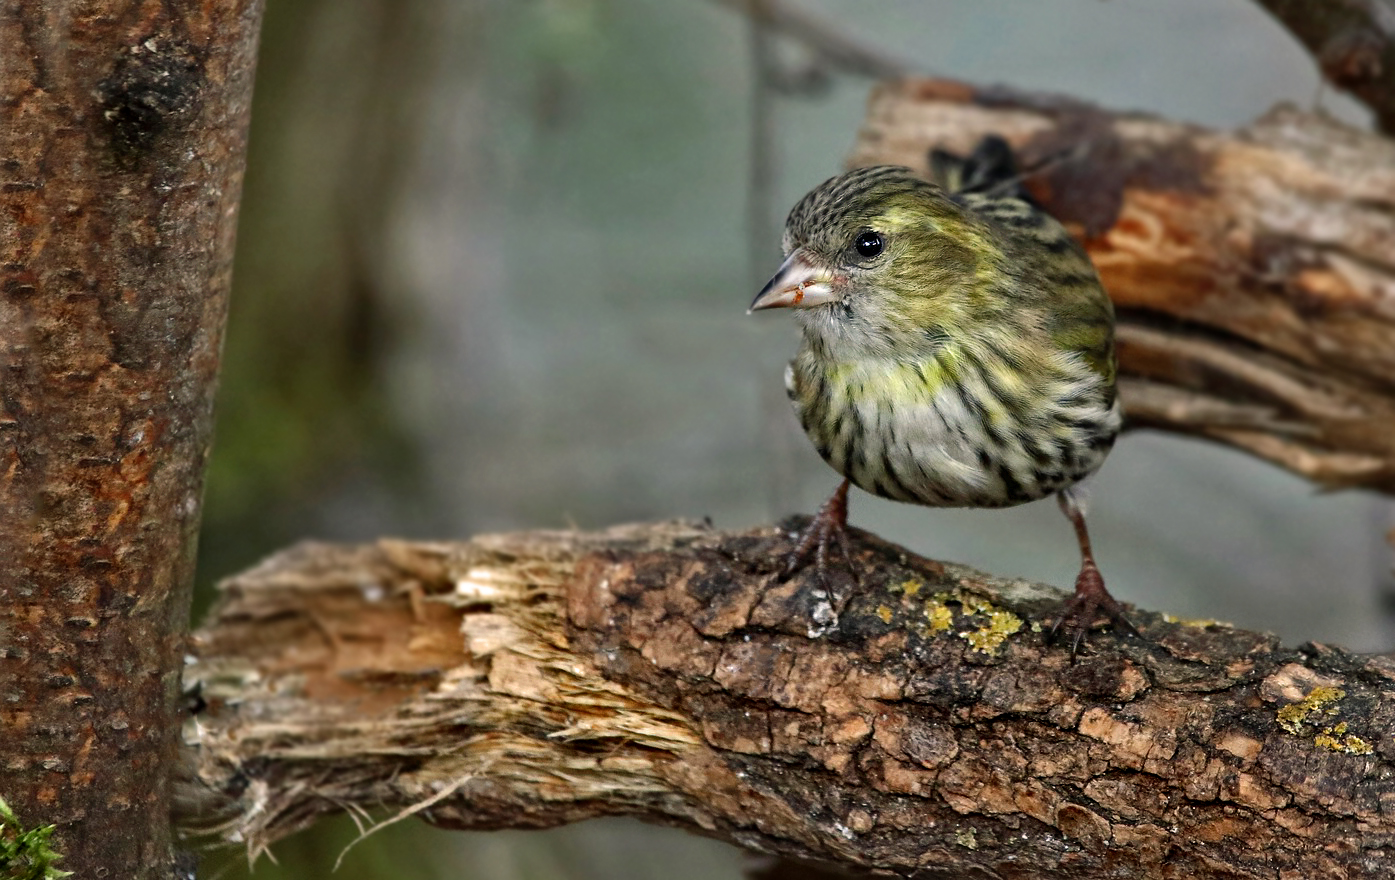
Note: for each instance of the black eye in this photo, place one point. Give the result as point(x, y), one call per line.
point(869, 244)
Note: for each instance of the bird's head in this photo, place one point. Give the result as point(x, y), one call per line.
point(876, 257)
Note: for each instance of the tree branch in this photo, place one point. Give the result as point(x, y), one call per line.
point(828, 39)
point(662, 672)
point(1353, 42)
point(1253, 271)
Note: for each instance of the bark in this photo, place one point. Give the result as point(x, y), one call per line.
point(1253, 271)
point(663, 672)
point(122, 134)
point(1353, 43)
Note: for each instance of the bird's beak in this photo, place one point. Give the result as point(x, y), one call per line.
point(799, 284)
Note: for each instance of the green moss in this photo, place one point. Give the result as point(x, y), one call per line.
point(26, 855)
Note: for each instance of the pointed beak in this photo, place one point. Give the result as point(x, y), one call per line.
point(799, 284)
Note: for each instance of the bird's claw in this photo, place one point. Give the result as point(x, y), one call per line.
point(815, 540)
point(1090, 605)
point(828, 527)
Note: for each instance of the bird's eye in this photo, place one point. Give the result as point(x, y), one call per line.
point(869, 244)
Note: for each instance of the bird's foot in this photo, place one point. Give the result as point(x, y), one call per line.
point(828, 528)
point(1091, 605)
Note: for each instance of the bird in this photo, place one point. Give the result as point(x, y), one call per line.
point(957, 351)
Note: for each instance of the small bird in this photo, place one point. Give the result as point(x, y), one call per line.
point(958, 350)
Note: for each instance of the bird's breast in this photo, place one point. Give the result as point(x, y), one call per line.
point(950, 434)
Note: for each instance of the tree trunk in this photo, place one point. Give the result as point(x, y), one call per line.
point(918, 723)
point(122, 136)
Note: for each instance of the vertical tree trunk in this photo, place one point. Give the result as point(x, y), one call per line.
point(122, 135)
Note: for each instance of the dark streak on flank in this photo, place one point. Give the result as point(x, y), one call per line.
point(1010, 483)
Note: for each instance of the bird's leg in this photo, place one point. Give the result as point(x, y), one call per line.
point(828, 526)
point(1091, 600)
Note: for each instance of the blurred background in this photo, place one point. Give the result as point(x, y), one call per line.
point(492, 273)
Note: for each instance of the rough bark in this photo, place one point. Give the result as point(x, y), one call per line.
point(1353, 43)
point(122, 134)
point(663, 672)
point(1253, 271)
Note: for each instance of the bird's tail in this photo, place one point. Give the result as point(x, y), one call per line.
point(991, 169)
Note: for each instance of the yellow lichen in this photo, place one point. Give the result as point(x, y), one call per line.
point(911, 587)
point(1348, 743)
point(1320, 704)
point(1355, 745)
point(939, 615)
point(1292, 716)
point(1198, 622)
point(987, 639)
point(976, 605)
point(884, 613)
point(967, 838)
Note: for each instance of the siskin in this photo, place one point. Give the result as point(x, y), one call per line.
point(958, 350)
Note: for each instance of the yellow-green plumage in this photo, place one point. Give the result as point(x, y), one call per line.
point(969, 363)
point(958, 347)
